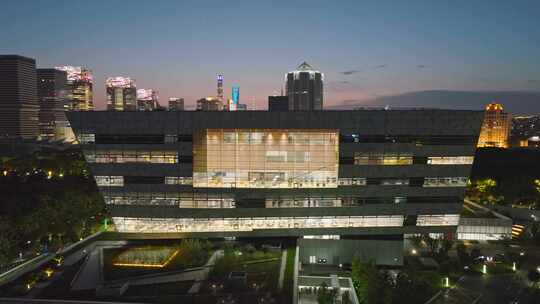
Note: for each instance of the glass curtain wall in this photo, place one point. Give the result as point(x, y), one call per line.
point(265, 158)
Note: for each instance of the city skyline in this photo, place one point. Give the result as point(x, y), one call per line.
point(369, 50)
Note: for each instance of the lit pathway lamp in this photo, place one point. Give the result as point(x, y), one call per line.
point(446, 282)
point(484, 269)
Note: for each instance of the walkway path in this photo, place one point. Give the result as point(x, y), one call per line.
point(282, 269)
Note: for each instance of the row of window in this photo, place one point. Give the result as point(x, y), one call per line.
point(203, 200)
point(427, 140)
point(91, 138)
point(286, 158)
point(119, 181)
point(258, 137)
point(134, 156)
point(126, 224)
point(362, 158)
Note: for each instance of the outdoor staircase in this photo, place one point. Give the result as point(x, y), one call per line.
point(517, 230)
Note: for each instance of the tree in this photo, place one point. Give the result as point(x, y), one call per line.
point(432, 244)
point(416, 241)
point(463, 255)
point(372, 287)
point(534, 276)
point(326, 295)
point(445, 246)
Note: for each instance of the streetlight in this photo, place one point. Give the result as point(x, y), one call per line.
point(446, 282)
point(514, 266)
point(484, 269)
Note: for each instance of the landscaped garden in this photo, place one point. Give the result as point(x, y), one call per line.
point(256, 270)
point(121, 263)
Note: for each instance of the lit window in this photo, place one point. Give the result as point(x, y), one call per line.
point(265, 158)
point(87, 138)
point(171, 138)
point(127, 156)
point(109, 181)
point(438, 220)
point(361, 158)
point(445, 182)
point(252, 224)
point(450, 160)
point(394, 182)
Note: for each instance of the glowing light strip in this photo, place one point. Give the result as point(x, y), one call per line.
point(149, 265)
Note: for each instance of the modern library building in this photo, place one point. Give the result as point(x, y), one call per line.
point(360, 174)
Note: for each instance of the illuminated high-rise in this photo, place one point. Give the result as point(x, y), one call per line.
point(51, 88)
point(304, 88)
point(495, 128)
point(121, 94)
point(147, 100)
point(209, 104)
point(176, 104)
point(235, 98)
point(79, 93)
point(220, 87)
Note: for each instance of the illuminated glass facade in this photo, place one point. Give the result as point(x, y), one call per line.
point(80, 88)
point(265, 158)
point(121, 94)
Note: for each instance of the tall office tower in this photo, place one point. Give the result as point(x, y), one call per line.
point(220, 87)
point(305, 88)
point(121, 94)
point(52, 90)
point(79, 94)
point(176, 104)
point(18, 97)
point(147, 100)
point(209, 104)
point(495, 128)
point(356, 180)
point(235, 98)
point(278, 103)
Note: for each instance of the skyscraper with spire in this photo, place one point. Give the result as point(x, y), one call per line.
point(304, 88)
point(220, 87)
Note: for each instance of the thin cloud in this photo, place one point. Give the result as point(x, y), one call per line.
point(533, 80)
point(421, 66)
point(350, 72)
point(356, 71)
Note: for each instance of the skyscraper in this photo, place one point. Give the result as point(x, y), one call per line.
point(305, 88)
point(147, 100)
point(51, 88)
point(79, 95)
point(235, 98)
point(220, 87)
point(209, 104)
point(495, 128)
point(176, 104)
point(18, 97)
point(121, 94)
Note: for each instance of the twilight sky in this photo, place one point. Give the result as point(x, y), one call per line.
point(366, 49)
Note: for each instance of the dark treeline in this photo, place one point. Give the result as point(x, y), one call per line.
point(49, 199)
point(502, 164)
